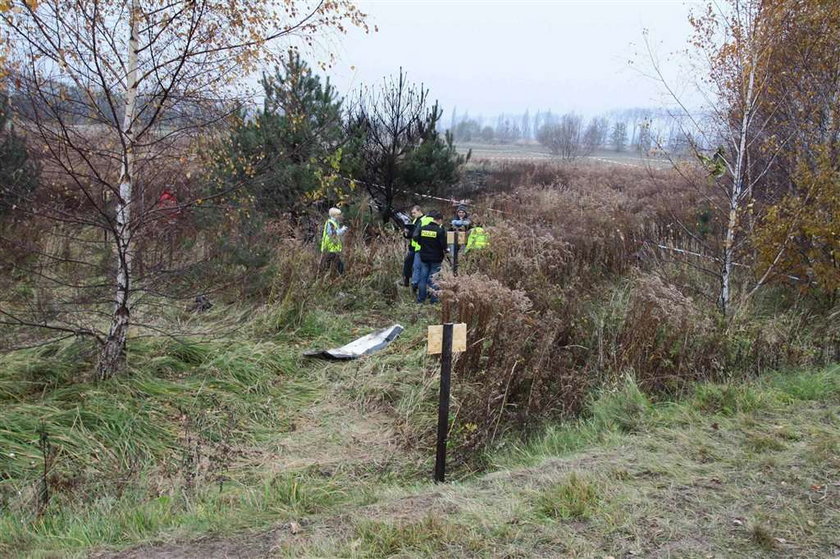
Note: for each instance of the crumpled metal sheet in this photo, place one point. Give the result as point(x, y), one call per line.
point(365, 345)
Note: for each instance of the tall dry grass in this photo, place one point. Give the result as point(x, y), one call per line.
point(570, 297)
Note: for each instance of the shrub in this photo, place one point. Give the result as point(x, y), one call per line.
point(666, 339)
point(515, 367)
point(568, 299)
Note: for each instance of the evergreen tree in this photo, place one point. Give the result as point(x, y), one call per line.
point(432, 166)
point(294, 150)
point(526, 125)
point(619, 136)
point(402, 151)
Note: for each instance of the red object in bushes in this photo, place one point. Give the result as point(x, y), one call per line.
point(168, 204)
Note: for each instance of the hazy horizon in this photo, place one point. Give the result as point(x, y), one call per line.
point(489, 58)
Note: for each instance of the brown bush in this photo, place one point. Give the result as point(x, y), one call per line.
point(524, 258)
point(505, 175)
point(516, 365)
point(604, 214)
point(666, 339)
point(568, 298)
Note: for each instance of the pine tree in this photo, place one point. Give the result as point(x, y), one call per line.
point(526, 125)
point(619, 136)
point(433, 165)
point(402, 151)
point(294, 150)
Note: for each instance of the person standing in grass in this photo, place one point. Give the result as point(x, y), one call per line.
point(331, 245)
point(432, 240)
point(460, 223)
point(416, 214)
point(419, 221)
point(478, 237)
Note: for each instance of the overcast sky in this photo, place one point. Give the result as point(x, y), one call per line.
point(489, 57)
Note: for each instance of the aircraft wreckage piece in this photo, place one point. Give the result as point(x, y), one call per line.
point(365, 345)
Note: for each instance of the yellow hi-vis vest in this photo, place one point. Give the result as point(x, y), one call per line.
point(330, 243)
point(477, 239)
point(424, 220)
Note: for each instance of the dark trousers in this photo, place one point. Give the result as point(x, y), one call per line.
point(332, 261)
point(408, 266)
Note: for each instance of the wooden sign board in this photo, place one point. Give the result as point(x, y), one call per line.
point(459, 338)
point(462, 237)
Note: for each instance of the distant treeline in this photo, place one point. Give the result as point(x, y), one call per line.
point(633, 129)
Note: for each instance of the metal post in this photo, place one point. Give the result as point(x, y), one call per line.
point(455, 251)
point(443, 406)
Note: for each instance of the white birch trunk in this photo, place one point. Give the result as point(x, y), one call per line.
point(112, 357)
point(736, 194)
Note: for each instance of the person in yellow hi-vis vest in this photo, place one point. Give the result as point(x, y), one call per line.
point(416, 264)
point(433, 249)
point(331, 245)
point(478, 238)
point(415, 214)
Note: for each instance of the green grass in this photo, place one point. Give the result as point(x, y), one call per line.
point(624, 409)
point(751, 478)
point(188, 441)
point(574, 497)
point(243, 435)
point(430, 536)
point(155, 446)
point(137, 515)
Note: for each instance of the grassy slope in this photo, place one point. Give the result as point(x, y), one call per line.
point(246, 435)
point(743, 470)
point(219, 437)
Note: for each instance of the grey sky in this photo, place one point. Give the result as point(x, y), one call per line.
point(492, 57)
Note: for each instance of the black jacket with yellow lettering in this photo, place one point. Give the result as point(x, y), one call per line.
point(432, 239)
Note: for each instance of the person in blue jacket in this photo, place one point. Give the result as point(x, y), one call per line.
point(461, 222)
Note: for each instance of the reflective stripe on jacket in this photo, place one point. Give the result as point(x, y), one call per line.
point(424, 220)
point(432, 239)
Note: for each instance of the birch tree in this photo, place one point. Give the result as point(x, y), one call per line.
point(738, 77)
point(116, 89)
point(732, 42)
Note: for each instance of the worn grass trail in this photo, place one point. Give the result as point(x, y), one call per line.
point(745, 470)
point(219, 437)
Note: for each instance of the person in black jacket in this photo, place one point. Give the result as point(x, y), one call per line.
point(432, 240)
